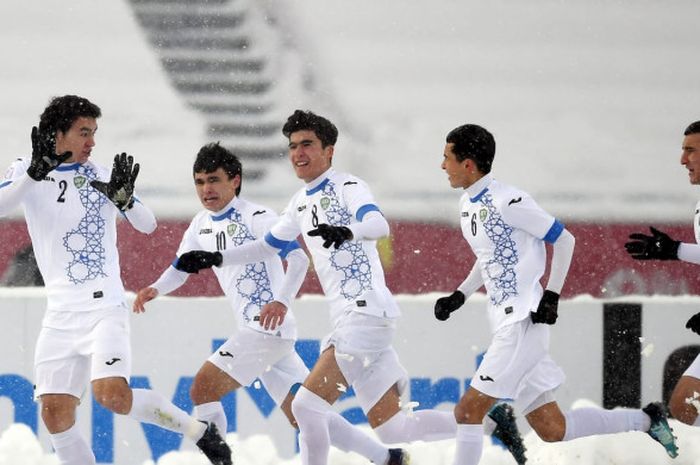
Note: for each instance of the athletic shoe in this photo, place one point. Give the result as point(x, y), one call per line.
point(507, 431)
point(659, 430)
point(398, 457)
point(214, 446)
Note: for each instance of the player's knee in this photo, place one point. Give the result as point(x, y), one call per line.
point(115, 397)
point(57, 417)
point(464, 415)
point(681, 410)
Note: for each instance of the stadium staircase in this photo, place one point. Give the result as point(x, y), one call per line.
point(230, 61)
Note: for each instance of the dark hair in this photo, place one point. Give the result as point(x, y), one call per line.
point(473, 142)
point(213, 156)
point(694, 128)
point(308, 121)
point(61, 113)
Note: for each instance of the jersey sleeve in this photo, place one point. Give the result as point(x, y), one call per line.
point(524, 213)
point(14, 186)
point(359, 198)
point(189, 239)
point(286, 229)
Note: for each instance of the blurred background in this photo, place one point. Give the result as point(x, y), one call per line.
point(587, 102)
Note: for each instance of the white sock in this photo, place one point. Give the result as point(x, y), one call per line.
point(212, 412)
point(489, 425)
point(349, 438)
point(420, 425)
point(589, 421)
point(311, 414)
point(470, 442)
point(150, 407)
point(71, 448)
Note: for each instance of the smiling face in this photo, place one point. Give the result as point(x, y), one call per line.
point(308, 156)
point(690, 158)
point(79, 139)
point(215, 190)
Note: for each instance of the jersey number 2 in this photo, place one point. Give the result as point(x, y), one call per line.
point(63, 185)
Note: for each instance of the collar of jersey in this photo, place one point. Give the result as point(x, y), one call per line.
point(313, 187)
point(479, 188)
point(227, 211)
point(71, 167)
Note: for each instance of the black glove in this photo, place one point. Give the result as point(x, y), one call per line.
point(44, 158)
point(547, 309)
point(120, 188)
point(658, 246)
point(335, 235)
point(694, 323)
point(195, 260)
point(446, 305)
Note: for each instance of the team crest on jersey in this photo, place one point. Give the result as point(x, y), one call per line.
point(79, 181)
point(483, 213)
point(231, 228)
point(325, 202)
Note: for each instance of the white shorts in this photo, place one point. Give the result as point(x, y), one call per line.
point(517, 365)
point(694, 369)
point(250, 354)
point(365, 356)
point(74, 348)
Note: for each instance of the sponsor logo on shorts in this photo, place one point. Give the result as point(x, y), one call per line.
point(225, 354)
point(485, 378)
point(113, 361)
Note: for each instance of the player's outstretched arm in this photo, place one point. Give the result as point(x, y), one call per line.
point(272, 314)
point(658, 246)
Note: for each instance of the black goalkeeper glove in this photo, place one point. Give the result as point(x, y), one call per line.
point(547, 309)
point(195, 260)
point(658, 246)
point(694, 323)
point(120, 188)
point(44, 158)
point(446, 305)
point(335, 235)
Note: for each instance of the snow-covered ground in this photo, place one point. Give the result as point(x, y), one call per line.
point(18, 446)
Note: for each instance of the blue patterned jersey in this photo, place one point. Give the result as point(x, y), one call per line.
point(507, 231)
point(352, 276)
point(249, 286)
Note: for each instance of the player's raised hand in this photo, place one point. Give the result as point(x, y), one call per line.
point(446, 305)
point(44, 157)
point(120, 188)
point(272, 315)
point(694, 323)
point(144, 295)
point(195, 260)
point(547, 310)
point(331, 235)
point(658, 246)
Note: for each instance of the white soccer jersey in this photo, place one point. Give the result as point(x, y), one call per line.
point(249, 286)
point(73, 232)
point(351, 276)
point(507, 230)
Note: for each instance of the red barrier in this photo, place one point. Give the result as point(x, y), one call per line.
point(420, 258)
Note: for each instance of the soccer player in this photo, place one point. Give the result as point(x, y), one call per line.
point(507, 232)
point(659, 246)
point(340, 223)
point(70, 205)
point(260, 293)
